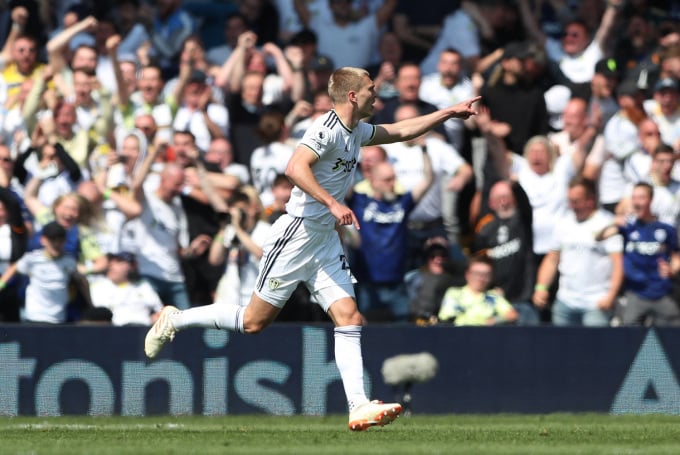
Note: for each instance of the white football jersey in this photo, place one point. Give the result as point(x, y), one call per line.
point(338, 150)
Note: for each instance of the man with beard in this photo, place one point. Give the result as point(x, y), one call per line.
point(505, 236)
point(380, 263)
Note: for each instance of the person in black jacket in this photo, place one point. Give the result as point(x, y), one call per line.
point(13, 237)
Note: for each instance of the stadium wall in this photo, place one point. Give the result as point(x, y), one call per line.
point(289, 369)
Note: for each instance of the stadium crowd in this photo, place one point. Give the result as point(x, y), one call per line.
point(144, 146)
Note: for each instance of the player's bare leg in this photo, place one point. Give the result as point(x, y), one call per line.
point(250, 319)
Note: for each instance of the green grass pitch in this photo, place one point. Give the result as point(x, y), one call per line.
point(417, 434)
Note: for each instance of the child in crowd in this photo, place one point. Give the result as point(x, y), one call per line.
point(50, 272)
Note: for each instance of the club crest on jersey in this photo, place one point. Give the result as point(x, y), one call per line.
point(274, 283)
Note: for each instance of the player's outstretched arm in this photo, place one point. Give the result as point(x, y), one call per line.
point(414, 127)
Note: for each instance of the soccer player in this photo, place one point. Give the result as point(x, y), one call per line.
point(304, 246)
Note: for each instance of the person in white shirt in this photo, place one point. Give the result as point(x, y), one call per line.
point(270, 159)
point(199, 113)
point(590, 271)
point(132, 301)
point(576, 53)
point(351, 43)
point(446, 87)
point(50, 272)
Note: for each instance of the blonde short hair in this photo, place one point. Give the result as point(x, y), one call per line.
point(343, 80)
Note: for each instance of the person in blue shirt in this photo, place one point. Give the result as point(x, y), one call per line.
point(651, 257)
point(380, 262)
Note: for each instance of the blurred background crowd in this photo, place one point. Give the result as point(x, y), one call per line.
point(143, 146)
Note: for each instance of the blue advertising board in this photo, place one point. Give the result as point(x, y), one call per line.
point(289, 369)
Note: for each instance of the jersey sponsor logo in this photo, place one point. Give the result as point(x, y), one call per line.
point(505, 250)
point(373, 213)
point(344, 165)
point(646, 248)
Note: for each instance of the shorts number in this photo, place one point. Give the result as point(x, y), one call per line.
point(345, 264)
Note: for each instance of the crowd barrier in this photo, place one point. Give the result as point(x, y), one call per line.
point(289, 369)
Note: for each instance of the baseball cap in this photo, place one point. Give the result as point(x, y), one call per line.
point(53, 231)
point(666, 83)
point(607, 67)
point(321, 63)
point(123, 256)
point(628, 87)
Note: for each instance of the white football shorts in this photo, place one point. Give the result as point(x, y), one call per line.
point(299, 250)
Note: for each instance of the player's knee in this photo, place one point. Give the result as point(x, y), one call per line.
point(254, 327)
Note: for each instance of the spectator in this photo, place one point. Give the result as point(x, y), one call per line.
point(303, 113)
point(451, 173)
point(602, 105)
point(239, 247)
point(511, 99)
point(199, 113)
point(637, 167)
point(271, 158)
point(234, 26)
point(281, 189)
point(351, 42)
point(664, 109)
point(576, 54)
point(579, 133)
point(82, 56)
point(53, 167)
point(651, 257)
point(160, 235)
point(385, 71)
point(221, 155)
point(132, 31)
point(505, 236)
point(71, 212)
point(381, 261)
point(50, 272)
point(247, 58)
point(446, 87)
point(417, 28)
point(666, 188)
point(131, 300)
point(545, 179)
point(13, 236)
point(475, 303)
point(590, 272)
point(22, 64)
point(407, 84)
point(620, 142)
point(167, 26)
point(464, 28)
point(427, 285)
point(262, 18)
point(148, 100)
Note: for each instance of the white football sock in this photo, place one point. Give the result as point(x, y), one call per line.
point(223, 316)
point(350, 363)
